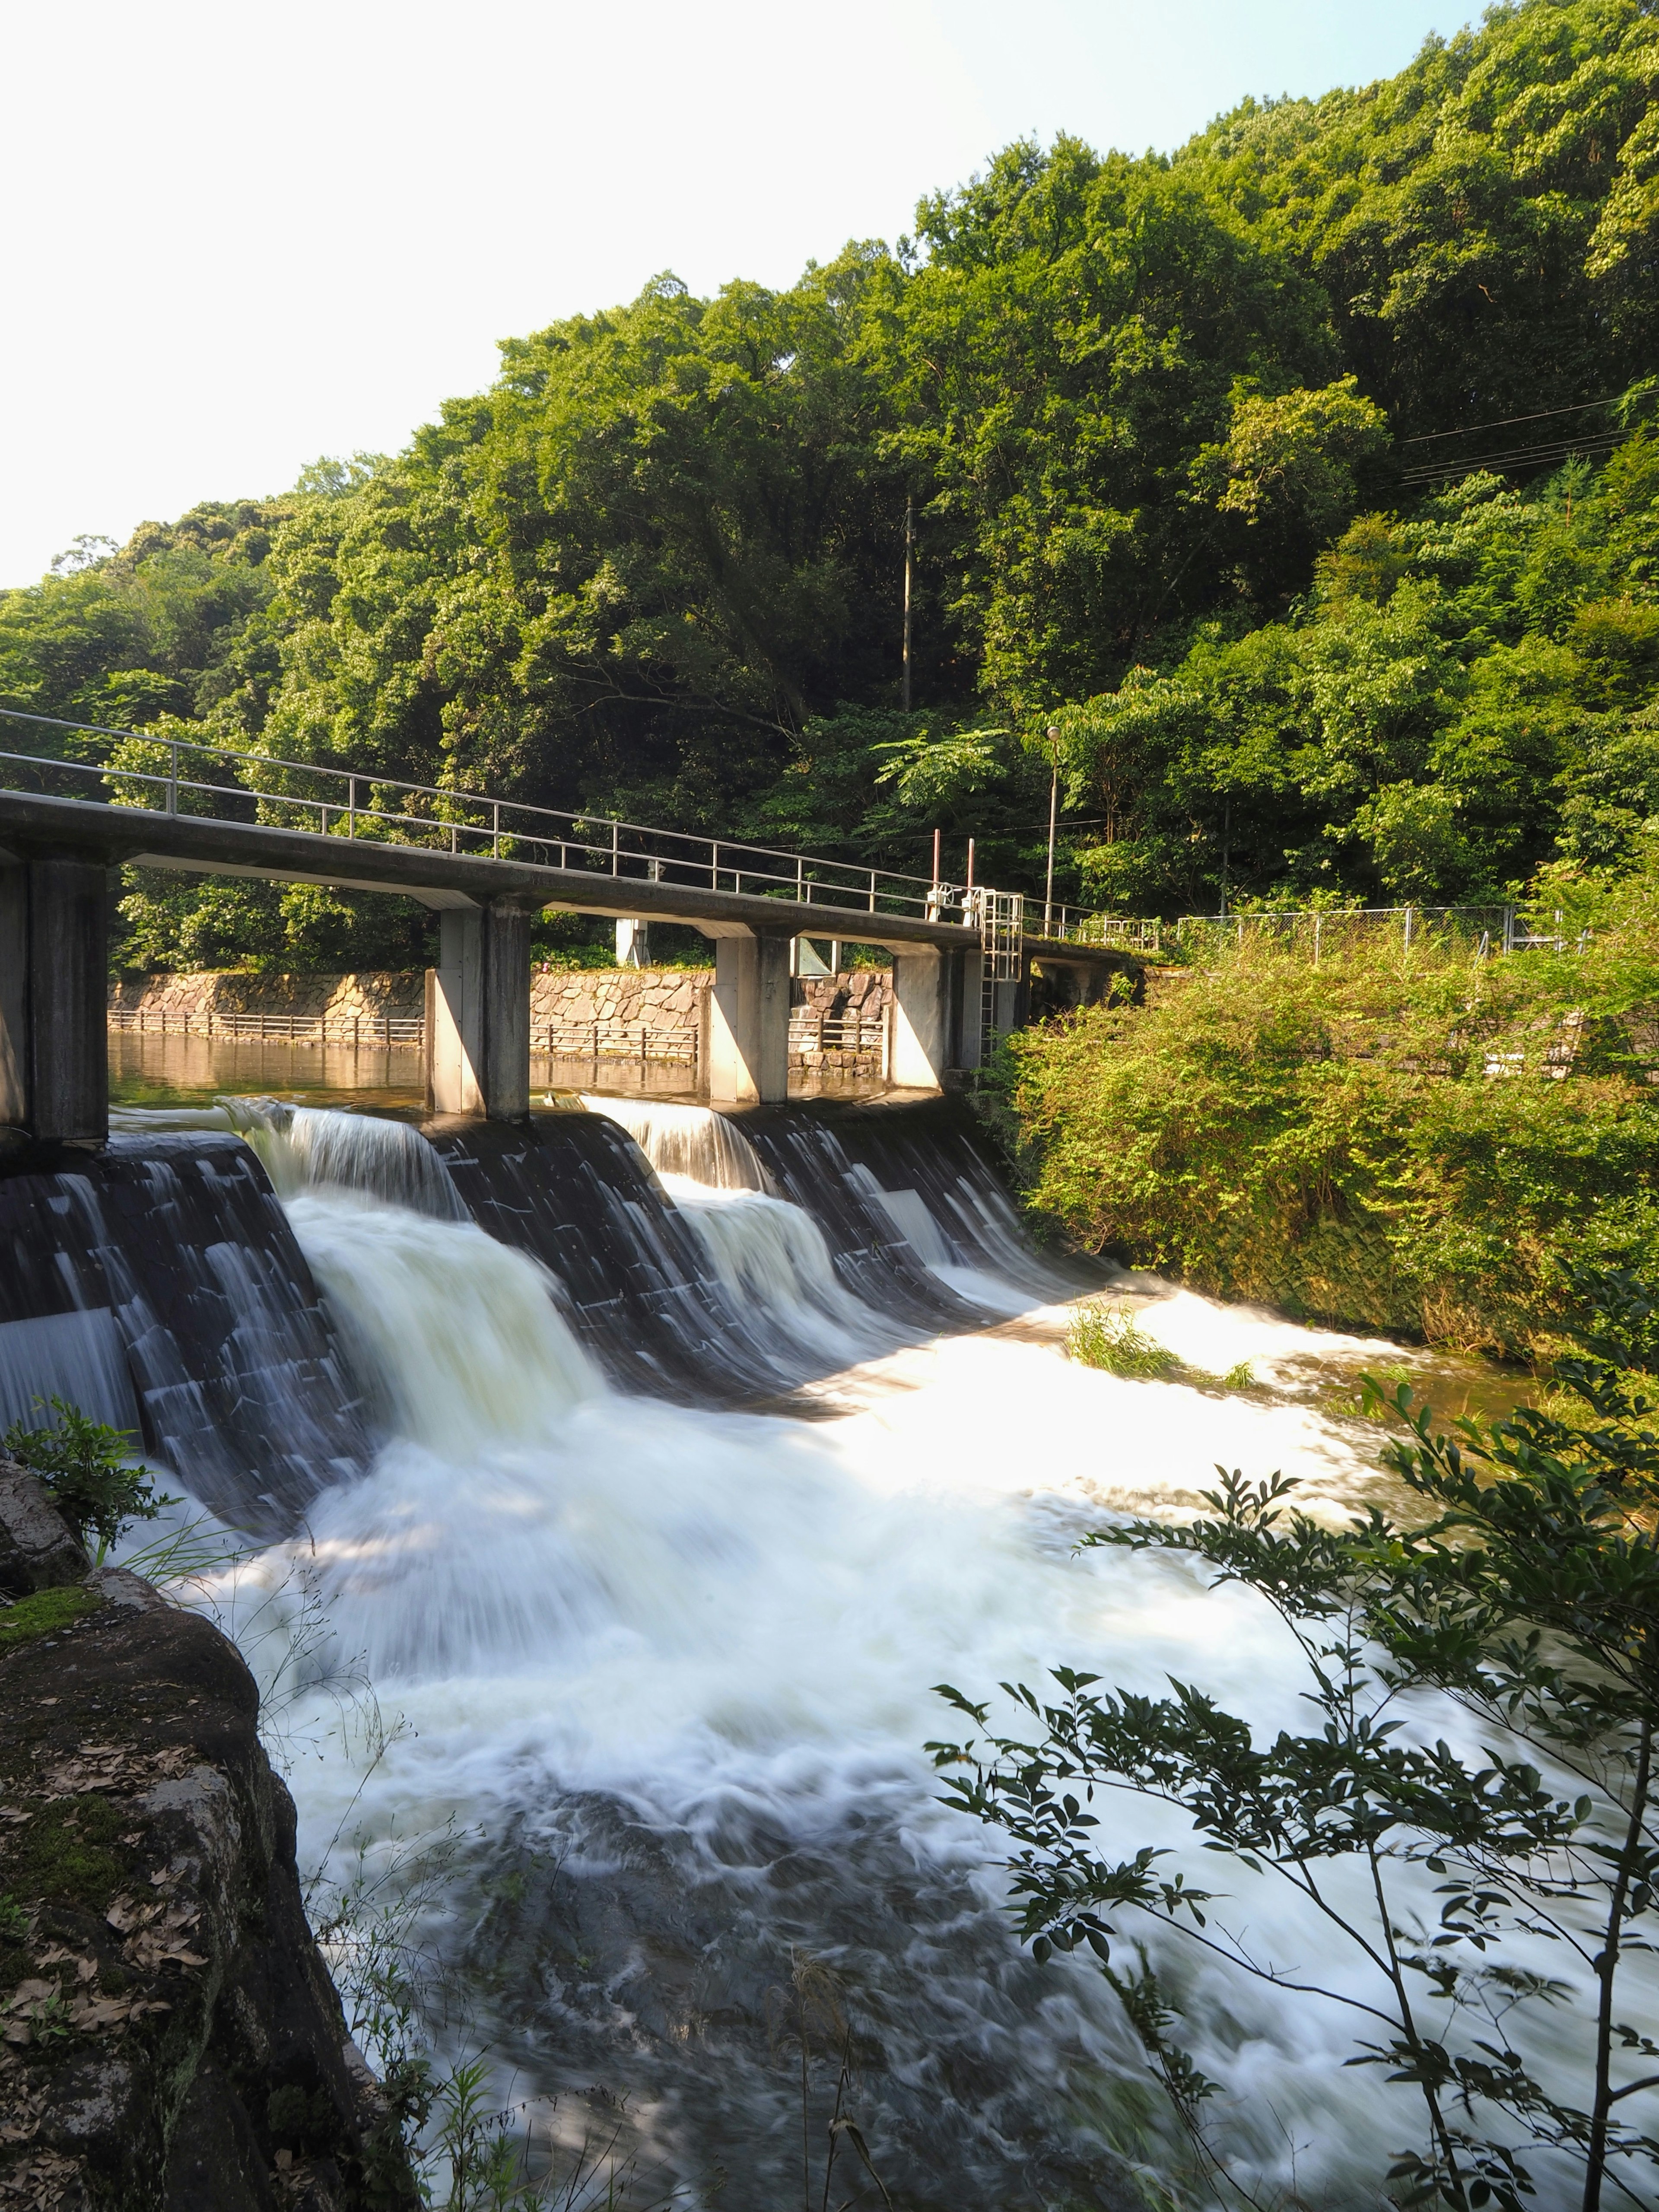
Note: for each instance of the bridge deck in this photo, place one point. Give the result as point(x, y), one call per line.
point(205, 845)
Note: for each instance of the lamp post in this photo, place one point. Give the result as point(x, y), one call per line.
point(1054, 809)
point(909, 547)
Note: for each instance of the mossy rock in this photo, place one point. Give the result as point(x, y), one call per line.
point(61, 1855)
point(46, 1611)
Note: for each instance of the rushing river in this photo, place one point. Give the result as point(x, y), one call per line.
point(653, 1681)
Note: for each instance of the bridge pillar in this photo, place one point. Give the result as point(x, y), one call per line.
point(477, 1014)
point(54, 995)
point(968, 989)
point(922, 1039)
point(747, 1027)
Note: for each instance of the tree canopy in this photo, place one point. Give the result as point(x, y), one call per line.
point(1151, 415)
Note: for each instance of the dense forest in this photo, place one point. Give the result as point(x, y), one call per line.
point(1176, 434)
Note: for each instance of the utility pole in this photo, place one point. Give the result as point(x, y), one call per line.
point(1054, 809)
point(909, 542)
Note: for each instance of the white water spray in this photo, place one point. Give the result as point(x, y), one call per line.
point(304, 1146)
point(732, 1625)
point(770, 1259)
point(692, 1141)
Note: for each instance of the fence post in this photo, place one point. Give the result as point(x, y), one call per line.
point(872, 891)
point(351, 806)
point(496, 845)
point(1408, 929)
point(173, 779)
point(616, 846)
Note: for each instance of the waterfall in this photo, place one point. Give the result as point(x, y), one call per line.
point(303, 1146)
point(78, 1357)
point(772, 1261)
point(158, 1284)
point(656, 1674)
point(670, 1670)
point(504, 1363)
point(691, 1142)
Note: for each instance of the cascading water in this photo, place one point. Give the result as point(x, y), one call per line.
point(690, 1141)
point(159, 1285)
point(669, 1671)
point(303, 1146)
point(771, 1261)
point(665, 1673)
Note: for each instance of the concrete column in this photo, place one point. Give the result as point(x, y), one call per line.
point(54, 994)
point(477, 1014)
point(632, 943)
point(969, 1048)
point(15, 1086)
point(506, 1013)
point(748, 1059)
point(922, 1019)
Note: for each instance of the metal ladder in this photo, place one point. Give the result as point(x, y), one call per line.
point(1002, 953)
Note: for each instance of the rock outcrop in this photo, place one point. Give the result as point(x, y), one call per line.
point(170, 2040)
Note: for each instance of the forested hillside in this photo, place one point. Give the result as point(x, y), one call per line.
point(1152, 415)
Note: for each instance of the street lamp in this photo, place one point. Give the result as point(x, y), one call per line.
point(1053, 809)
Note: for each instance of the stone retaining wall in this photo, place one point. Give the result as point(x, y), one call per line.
point(399, 993)
point(664, 998)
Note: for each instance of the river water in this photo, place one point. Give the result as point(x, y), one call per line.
point(630, 1696)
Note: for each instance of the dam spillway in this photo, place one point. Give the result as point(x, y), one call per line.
point(508, 1422)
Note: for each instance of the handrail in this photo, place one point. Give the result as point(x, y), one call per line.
point(510, 829)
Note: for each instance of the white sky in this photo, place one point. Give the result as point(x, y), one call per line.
point(241, 235)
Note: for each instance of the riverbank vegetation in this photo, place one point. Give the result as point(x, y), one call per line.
point(1149, 418)
point(1507, 1884)
point(1418, 1138)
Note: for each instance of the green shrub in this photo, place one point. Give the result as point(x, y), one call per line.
point(1415, 1139)
point(84, 1467)
point(1108, 1337)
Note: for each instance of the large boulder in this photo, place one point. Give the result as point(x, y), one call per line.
point(170, 2040)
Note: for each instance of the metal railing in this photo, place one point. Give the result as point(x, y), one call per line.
point(372, 1032)
point(180, 775)
point(1485, 928)
point(644, 1041)
point(837, 1039)
point(1072, 925)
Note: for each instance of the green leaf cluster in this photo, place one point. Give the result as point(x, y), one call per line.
point(1417, 1140)
point(1146, 411)
point(1526, 1590)
point(86, 1469)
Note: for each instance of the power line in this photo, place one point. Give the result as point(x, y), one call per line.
point(1505, 422)
point(1515, 456)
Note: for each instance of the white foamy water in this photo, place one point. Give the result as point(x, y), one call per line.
point(771, 1259)
point(730, 1627)
point(692, 1141)
point(304, 1146)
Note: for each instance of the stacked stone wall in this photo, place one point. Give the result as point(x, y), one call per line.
point(399, 993)
point(663, 998)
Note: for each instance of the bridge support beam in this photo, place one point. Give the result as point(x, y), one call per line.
point(54, 993)
point(477, 1014)
point(749, 1019)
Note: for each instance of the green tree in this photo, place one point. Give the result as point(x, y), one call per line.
point(1527, 1592)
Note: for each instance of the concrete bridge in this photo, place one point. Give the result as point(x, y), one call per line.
point(962, 958)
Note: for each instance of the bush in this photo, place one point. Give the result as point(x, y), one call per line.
point(1411, 1140)
point(87, 1473)
point(1527, 1594)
